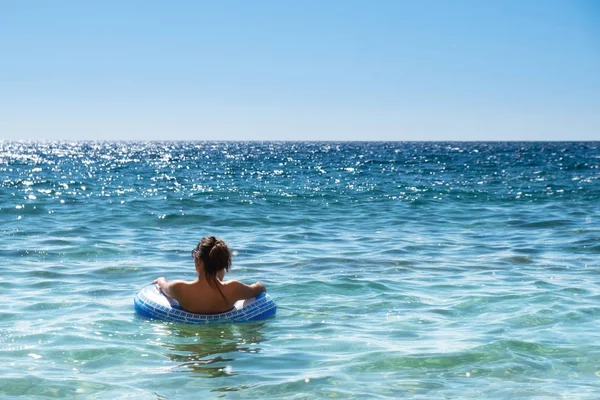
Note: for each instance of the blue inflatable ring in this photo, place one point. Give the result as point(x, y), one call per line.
point(150, 302)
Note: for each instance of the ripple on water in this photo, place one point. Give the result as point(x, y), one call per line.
point(418, 270)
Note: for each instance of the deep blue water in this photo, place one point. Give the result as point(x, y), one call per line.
point(418, 270)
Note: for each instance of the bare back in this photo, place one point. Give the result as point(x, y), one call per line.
point(201, 298)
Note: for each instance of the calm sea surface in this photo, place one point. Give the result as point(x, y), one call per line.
point(401, 270)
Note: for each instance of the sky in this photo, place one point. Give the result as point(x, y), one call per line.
point(300, 70)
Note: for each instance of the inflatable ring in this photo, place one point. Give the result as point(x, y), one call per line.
point(150, 302)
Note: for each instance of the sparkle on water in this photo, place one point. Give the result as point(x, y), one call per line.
point(421, 270)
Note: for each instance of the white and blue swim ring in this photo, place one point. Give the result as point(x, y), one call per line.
point(151, 302)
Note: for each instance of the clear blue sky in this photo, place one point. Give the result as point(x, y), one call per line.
point(300, 70)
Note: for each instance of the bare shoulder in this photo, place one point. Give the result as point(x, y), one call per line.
point(174, 288)
point(177, 284)
point(237, 290)
point(232, 286)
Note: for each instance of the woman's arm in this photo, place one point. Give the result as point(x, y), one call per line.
point(168, 288)
point(241, 291)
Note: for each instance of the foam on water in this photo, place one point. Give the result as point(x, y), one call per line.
point(422, 270)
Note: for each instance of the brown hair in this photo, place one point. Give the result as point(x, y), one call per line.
point(216, 257)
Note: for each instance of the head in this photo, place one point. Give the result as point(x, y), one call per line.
point(212, 256)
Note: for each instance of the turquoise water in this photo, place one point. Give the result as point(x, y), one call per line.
point(417, 270)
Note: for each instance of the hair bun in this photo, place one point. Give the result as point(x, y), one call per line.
point(218, 255)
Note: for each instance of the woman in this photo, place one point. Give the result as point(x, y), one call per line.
point(209, 294)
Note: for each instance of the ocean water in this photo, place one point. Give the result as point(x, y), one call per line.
point(400, 270)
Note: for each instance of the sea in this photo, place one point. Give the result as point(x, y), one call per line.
point(418, 270)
